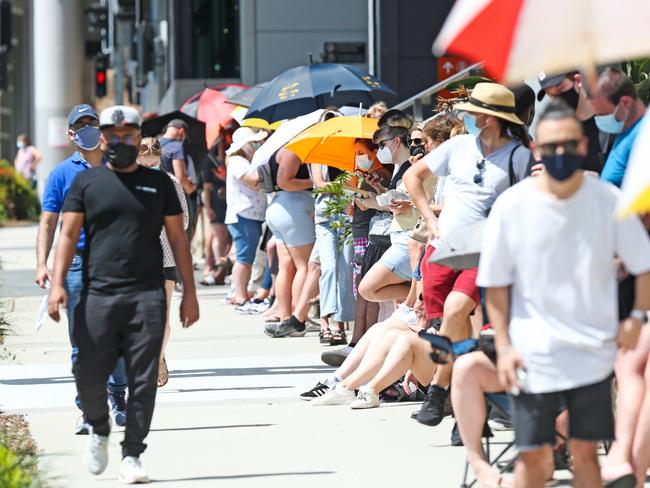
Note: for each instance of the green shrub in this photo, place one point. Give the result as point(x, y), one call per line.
point(11, 474)
point(17, 198)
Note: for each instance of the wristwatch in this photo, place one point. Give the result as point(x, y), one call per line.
point(640, 315)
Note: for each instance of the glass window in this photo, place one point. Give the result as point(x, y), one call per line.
point(215, 38)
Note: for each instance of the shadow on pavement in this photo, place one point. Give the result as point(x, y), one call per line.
point(211, 427)
point(239, 388)
point(243, 476)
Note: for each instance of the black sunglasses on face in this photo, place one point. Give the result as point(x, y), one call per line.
point(550, 149)
point(126, 139)
point(381, 144)
point(81, 125)
point(480, 168)
point(415, 142)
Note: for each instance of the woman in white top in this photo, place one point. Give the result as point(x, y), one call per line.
point(149, 156)
point(246, 207)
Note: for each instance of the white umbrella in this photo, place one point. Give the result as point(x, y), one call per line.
point(283, 135)
point(515, 39)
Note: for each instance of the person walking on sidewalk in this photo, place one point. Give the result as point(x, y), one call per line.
point(122, 208)
point(548, 265)
point(83, 130)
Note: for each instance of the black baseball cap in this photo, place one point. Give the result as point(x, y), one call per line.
point(546, 81)
point(177, 124)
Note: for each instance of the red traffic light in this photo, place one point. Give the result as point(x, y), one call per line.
point(100, 77)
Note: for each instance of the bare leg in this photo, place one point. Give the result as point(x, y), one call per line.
point(530, 469)
point(163, 372)
point(372, 360)
point(365, 316)
point(630, 370)
point(221, 241)
point(456, 326)
point(380, 284)
point(407, 352)
point(309, 291)
point(474, 375)
point(241, 274)
point(586, 472)
point(641, 447)
point(300, 257)
point(284, 282)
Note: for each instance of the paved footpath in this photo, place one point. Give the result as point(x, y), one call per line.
point(229, 415)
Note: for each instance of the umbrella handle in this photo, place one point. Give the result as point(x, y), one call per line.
point(334, 89)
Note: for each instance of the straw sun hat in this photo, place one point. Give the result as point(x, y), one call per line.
point(491, 99)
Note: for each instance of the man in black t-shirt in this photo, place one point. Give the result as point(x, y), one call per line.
point(122, 208)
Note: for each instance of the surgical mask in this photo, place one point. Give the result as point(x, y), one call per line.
point(470, 124)
point(20, 144)
point(562, 166)
point(363, 162)
point(121, 155)
point(609, 123)
point(385, 156)
point(87, 138)
point(571, 97)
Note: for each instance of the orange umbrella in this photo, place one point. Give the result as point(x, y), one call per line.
point(332, 142)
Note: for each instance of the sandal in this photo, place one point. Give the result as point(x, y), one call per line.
point(325, 336)
point(626, 481)
point(163, 373)
point(209, 280)
point(338, 338)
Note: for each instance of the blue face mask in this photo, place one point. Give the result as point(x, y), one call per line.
point(609, 124)
point(470, 124)
point(87, 138)
point(562, 166)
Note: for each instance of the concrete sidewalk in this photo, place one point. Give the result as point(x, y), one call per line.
point(229, 415)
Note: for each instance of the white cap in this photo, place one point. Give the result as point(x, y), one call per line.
point(119, 115)
point(242, 136)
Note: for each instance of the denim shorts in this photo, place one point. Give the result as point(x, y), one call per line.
point(290, 216)
point(397, 258)
point(246, 235)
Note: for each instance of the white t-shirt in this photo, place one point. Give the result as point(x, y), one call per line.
point(558, 256)
point(241, 199)
point(467, 202)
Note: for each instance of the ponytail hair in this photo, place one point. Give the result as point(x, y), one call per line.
point(393, 123)
point(515, 131)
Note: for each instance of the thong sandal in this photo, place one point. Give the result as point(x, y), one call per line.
point(163, 373)
point(626, 481)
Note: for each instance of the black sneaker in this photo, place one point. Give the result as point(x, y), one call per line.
point(456, 441)
point(433, 409)
point(414, 414)
point(317, 391)
point(291, 327)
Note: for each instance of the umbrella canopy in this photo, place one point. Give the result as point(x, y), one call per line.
point(245, 98)
point(304, 89)
point(195, 144)
point(332, 142)
point(635, 196)
point(516, 39)
point(461, 248)
point(283, 135)
point(210, 106)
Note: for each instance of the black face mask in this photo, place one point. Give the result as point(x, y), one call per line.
point(562, 166)
point(121, 155)
point(571, 97)
point(415, 150)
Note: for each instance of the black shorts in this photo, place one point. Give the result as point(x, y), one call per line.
point(170, 274)
point(590, 415)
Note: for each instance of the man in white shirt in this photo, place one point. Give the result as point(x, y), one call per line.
point(548, 264)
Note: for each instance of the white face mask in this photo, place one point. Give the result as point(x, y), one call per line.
point(20, 144)
point(363, 162)
point(384, 155)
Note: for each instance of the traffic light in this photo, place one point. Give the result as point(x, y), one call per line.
point(101, 65)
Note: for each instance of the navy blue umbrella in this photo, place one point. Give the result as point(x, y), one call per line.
point(299, 91)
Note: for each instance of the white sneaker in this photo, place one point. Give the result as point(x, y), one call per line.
point(132, 472)
point(365, 399)
point(405, 314)
point(339, 395)
point(96, 454)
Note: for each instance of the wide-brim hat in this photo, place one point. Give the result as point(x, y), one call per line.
point(491, 99)
point(243, 136)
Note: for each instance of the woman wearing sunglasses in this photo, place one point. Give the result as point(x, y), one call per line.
point(478, 167)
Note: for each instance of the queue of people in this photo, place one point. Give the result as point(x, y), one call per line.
point(557, 271)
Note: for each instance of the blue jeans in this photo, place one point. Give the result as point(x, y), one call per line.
point(335, 283)
point(73, 284)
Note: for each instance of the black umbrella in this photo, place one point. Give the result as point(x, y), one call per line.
point(195, 143)
point(301, 90)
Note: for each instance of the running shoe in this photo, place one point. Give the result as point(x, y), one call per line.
point(284, 329)
point(316, 392)
point(132, 472)
point(336, 396)
point(336, 357)
point(433, 409)
point(365, 399)
point(96, 454)
point(82, 427)
point(118, 408)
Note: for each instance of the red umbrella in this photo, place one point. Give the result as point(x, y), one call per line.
point(210, 106)
point(518, 38)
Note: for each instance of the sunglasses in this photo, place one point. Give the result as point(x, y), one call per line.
point(550, 149)
point(382, 144)
point(81, 125)
point(480, 168)
point(127, 139)
point(416, 141)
